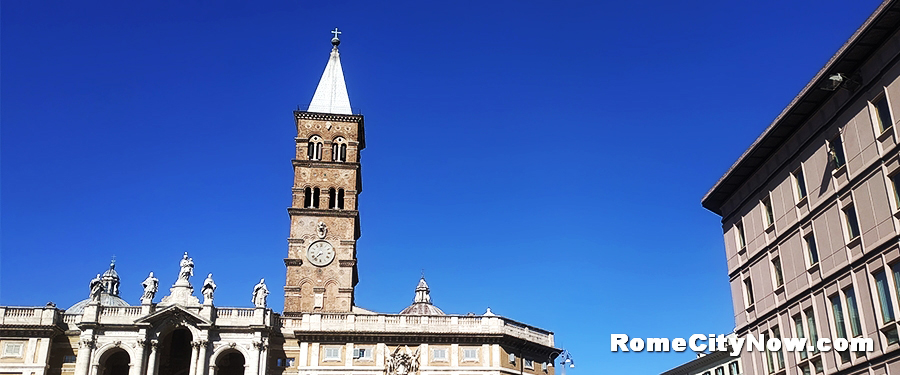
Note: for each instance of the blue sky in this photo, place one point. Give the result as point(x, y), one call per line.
point(544, 159)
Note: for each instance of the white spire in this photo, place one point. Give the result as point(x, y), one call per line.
point(331, 94)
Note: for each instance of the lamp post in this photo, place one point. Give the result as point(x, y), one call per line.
point(565, 359)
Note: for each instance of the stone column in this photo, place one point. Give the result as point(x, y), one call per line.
point(140, 352)
point(95, 369)
point(151, 360)
point(201, 357)
point(195, 346)
point(263, 357)
point(83, 360)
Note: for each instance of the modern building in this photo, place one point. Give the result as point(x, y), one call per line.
point(810, 214)
point(715, 363)
point(321, 331)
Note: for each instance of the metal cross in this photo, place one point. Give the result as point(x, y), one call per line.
point(335, 32)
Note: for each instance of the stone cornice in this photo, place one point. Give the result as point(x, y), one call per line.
point(30, 331)
point(322, 212)
point(304, 115)
point(325, 164)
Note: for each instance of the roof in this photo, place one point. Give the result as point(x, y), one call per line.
point(331, 94)
point(105, 300)
point(848, 59)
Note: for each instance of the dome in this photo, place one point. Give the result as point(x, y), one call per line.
point(105, 300)
point(422, 302)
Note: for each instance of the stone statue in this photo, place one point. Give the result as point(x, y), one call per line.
point(322, 230)
point(259, 293)
point(96, 288)
point(402, 363)
point(209, 287)
point(187, 269)
point(151, 285)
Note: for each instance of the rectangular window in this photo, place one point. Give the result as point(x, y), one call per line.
point(529, 364)
point(770, 361)
point(470, 354)
point(811, 328)
point(798, 326)
point(720, 370)
point(767, 211)
point(544, 366)
point(800, 184)
point(284, 362)
point(882, 114)
point(734, 368)
point(836, 151)
point(748, 292)
point(852, 223)
point(884, 296)
point(853, 313)
point(895, 183)
point(69, 359)
point(439, 354)
point(817, 364)
point(776, 333)
point(332, 354)
point(739, 232)
point(812, 252)
point(362, 353)
point(839, 326)
point(776, 271)
point(512, 358)
point(13, 349)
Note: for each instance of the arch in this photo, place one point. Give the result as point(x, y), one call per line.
point(331, 295)
point(108, 349)
point(340, 199)
point(307, 197)
point(332, 197)
point(231, 362)
point(339, 149)
point(115, 360)
point(226, 347)
point(315, 198)
point(314, 148)
point(175, 351)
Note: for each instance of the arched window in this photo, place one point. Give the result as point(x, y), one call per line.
point(331, 198)
point(314, 148)
point(307, 197)
point(340, 199)
point(339, 149)
point(315, 198)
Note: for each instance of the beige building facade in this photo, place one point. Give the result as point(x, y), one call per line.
point(811, 214)
point(321, 331)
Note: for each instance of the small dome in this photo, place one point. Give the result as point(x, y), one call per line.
point(105, 300)
point(422, 302)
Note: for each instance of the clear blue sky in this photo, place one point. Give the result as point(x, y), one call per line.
point(546, 160)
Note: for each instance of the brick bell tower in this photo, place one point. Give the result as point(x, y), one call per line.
point(321, 260)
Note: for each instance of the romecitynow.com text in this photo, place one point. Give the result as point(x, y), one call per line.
point(733, 344)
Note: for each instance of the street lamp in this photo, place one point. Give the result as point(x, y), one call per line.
point(565, 358)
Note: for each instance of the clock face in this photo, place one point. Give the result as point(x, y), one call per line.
point(320, 253)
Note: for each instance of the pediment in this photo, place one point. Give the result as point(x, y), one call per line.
point(174, 314)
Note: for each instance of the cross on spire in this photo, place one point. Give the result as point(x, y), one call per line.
point(336, 32)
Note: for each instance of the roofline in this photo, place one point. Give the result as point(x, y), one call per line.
point(728, 183)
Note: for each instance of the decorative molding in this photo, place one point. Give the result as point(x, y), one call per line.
point(347, 262)
point(322, 212)
point(349, 165)
point(304, 115)
point(293, 261)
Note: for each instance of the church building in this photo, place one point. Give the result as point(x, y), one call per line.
point(320, 331)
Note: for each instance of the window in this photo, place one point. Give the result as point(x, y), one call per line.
point(739, 232)
point(798, 325)
point(748, 292)
point(332, 194)
point(720, 370)
point(734, 368)
point(812, 253)
point(311, 197)
point(544, 366)
point(439, 354)
point(853, 313)
point(884, 296)
point(470, 354)
point(13, 349)
point(70, 359)
point(362, 353)
point(817, 364)
point(836, 152)
point(315, 198)
point(811, 327)
point(882, 114)
point(512, 358)
point(799, 184)
point(768, 214)
point(776, 272)
point(333, 354)
point(339, 149)
point(314, 148)
point(529, 364)
point(284, 362)
point(776, 333)
point(852, 223)
point(340, 199)
point(895, 183)
point(839, 327)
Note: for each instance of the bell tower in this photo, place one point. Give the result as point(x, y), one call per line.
point(321, 260)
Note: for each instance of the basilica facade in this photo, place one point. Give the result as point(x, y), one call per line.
point(320, 331)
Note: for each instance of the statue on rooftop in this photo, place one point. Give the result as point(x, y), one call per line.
point(96, 288)
point(209, 287)
point(151, 285)
point(187, 269)
point(259, 293)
